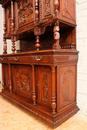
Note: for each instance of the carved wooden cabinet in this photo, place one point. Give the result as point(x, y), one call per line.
point(41, 75)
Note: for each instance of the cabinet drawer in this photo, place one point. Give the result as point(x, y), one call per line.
point(34, 59)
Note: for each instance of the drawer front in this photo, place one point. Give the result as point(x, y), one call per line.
point(35, 59)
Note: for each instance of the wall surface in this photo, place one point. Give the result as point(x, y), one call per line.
point(81, 46)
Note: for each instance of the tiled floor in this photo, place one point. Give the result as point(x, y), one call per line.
point(12, 118)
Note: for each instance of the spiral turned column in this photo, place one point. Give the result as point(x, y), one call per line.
point(12, 28)
point(4, 36)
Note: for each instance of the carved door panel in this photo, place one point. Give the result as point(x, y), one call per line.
point(67, 10)
point(25, 14)
point(67, 85)
point(22, 80)
point(43, 83)
point(46, 8)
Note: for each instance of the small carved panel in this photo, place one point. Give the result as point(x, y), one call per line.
point(46, 8)
point(67, 85)
point(43, 83)
point(22, 80)
point(25, 12)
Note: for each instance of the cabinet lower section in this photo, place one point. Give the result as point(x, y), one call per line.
point(45, 87)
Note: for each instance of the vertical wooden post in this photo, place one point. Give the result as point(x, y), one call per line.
point(37, 29)
point(36, 11)
point(37, 32)
point(56, 36)
point(12, 28)
point(56, 26)
point(33, 81)
point(53, 91)
point(4, 36)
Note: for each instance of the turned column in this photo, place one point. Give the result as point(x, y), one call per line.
point(53, 99)
point(4, 36)
point(56, 26)
point(37, 29)
point(33, 86)
point(37, 33)
point(12, 28)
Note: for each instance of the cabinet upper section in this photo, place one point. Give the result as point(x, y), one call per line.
point(28, 13)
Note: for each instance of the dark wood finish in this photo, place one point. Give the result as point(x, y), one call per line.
point(42, 75)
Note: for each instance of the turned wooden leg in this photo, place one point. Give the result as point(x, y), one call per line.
point(33, 81)
point(53, 99)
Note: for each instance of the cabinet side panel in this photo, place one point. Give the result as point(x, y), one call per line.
point(67, 81)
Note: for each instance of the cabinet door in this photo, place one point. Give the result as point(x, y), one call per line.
point(46, 8)
point(25, 15)
point(22, 80)
point(67, 11)
point(43, 85)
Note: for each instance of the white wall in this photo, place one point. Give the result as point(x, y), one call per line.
point(82, 47)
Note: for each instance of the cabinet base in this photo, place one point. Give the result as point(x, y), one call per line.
point(53, 120)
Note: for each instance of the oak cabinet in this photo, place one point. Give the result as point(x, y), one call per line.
point(41, 75)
